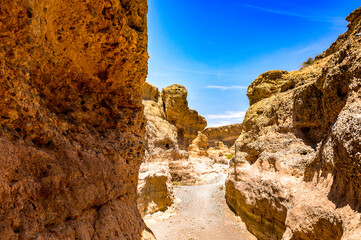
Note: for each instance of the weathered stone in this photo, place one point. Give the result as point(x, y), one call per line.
point(296, 173)
point(72, 124)
point(164, 146)
point(150, 92)
point(155, 189)
point(220, 153)
point(177, 112)
point(266, 85)
point(225, 134)
point(199, 146)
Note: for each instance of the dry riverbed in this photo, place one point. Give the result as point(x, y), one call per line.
point(201, 214)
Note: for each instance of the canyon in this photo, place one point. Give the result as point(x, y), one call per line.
point(90, 150)
point(296, 169)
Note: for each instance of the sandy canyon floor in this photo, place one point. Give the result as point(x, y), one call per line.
point(201, 214)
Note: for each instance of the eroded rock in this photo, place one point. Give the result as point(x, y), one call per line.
point(177, 112)
point(155, 189)
point(170, 125)
point(296, 173)
point(199, 146)
point(72, 124)
point(226, 134)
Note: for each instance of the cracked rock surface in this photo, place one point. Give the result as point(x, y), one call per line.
point(71, 118)
point(296, 173)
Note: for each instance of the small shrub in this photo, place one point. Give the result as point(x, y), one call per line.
point(177, 183)
point(308, 62)
point(229, 156)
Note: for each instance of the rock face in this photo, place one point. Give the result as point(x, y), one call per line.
point(177, 112)
point(164, 160)
point(220, 153)
point(155, 189)
point(296, 173)
point(161, 135)
point(72, 124)
point(225, 134)
point(199, 146)
point(167, 156)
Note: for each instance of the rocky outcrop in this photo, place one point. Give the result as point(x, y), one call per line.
point(199, 146)
point(150, 92)
point(226, 134)
point(177, 112)
point(161, 135)
point(220, 153)
point(163, 151)
point(165, 160)
point(155, 189)
point(71, 118)
point(296, 173)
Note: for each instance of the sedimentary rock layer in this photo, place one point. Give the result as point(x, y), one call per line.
point(226, 134)
point(177, 112)
point(71, 118)
point(297, 169)
point(199, 146)
point(155, 189)
point(170, 127)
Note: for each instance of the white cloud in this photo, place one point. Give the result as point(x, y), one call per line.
point(334, 20)
point(219, 124)
point(227, 87)
point(227, 115)
point(227, 118)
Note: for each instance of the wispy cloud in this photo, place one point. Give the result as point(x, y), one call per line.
point(219, 124)
point(227, 115)
point(334, 20)
point(227, 118)
point(227, 87)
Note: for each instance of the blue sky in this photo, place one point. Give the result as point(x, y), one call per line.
point(217, 48)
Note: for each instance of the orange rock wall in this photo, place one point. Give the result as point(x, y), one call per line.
point(71, 118)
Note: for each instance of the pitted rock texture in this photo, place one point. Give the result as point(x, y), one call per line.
point(161, 135)
point(150, 92)
point(155, 188)
point(165, 160)
point(220, 153)
point(226, 134)
point(177, 112)
point(71, 118)
point(199, 146)
point(296, 173)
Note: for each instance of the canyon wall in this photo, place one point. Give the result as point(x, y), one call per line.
point(166, 157)
point(225, 134)
point(155, 189)
point(296, 173)
point(71, 118)
point(176, 150)
point(177, 112)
